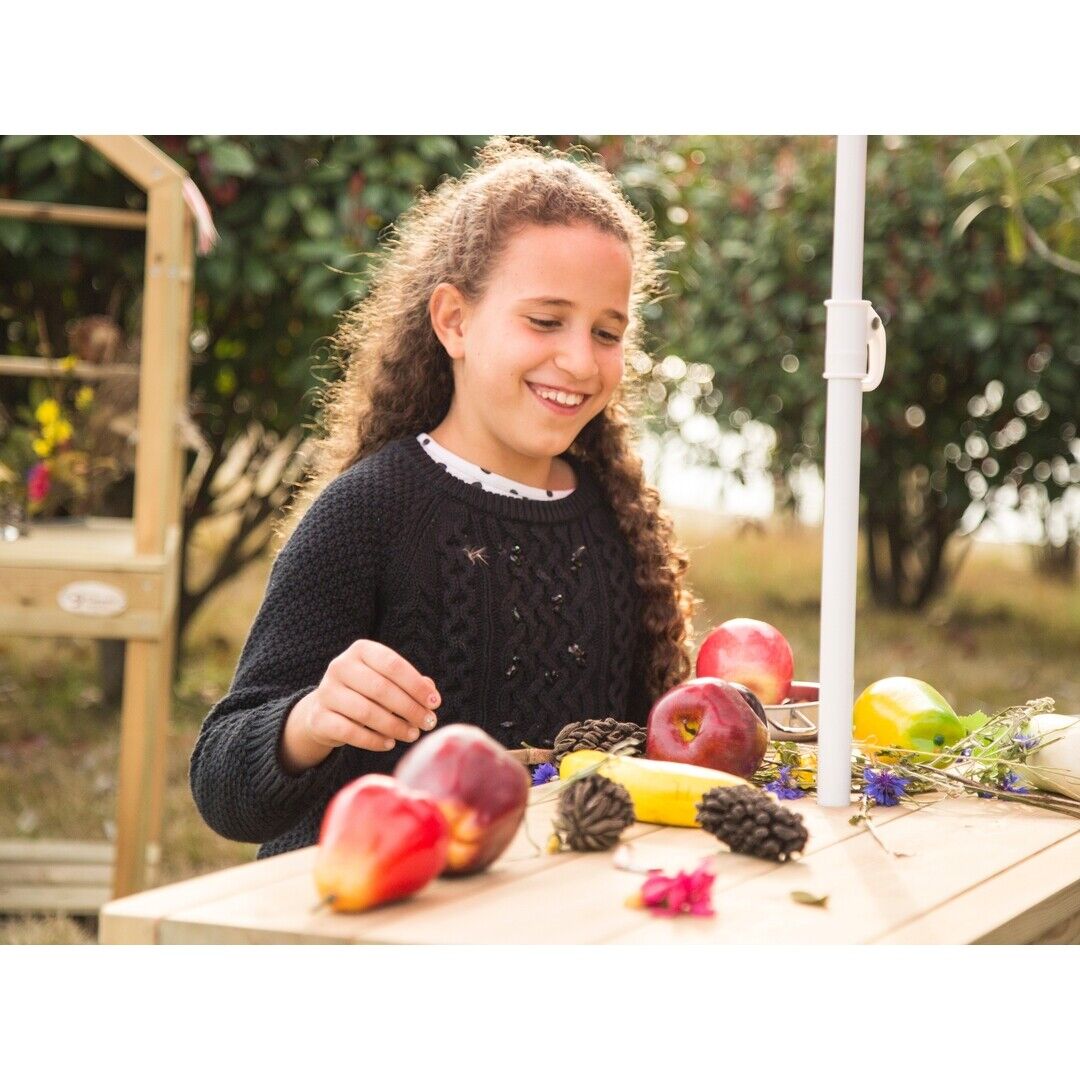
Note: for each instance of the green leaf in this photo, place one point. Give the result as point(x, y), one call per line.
point(232, 159)
point(277, 213)
point(11, 143)
point(802, 897)
point(64, 151)
point(973, 720)
point(301, 198)
point(319, 223)
point(1014, 241)
point(258, 277)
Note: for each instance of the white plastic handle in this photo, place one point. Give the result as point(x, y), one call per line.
point(875, 349)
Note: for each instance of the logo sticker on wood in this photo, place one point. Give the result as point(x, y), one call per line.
point(92, 598)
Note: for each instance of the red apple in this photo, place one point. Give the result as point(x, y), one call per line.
point(706, 722)
point(379, 841)
point(479, 787)
point(750, 652)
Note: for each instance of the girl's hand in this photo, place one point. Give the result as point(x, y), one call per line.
point(369, 697)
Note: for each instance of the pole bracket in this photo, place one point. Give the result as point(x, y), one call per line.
point(854, 342)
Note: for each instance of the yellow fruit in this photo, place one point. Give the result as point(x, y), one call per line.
point(906, 713)
point(663, 792)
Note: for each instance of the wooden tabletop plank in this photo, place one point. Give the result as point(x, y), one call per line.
point(953, 845)
point(134, 920)
point(978, 869)
point(1026, 902)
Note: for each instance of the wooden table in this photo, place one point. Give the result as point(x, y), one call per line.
point(975, 870)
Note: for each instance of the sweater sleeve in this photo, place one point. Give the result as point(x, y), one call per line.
point(320, 598)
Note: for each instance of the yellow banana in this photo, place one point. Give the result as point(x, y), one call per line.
point(663, 792)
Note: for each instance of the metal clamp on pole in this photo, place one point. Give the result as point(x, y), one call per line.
point(854, 342)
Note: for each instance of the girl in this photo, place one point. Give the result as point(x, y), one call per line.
point(483, 547)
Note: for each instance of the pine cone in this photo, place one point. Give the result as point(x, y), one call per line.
point(597, 735)
point(592, 812)
point(751, 823)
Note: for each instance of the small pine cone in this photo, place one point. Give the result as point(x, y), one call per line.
point(597, 735)
point(592, 812)
point(751, 823)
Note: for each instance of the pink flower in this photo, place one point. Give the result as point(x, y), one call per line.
point(682, 894)
point(38, 481)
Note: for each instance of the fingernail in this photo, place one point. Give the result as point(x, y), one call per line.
point(433, 700)
point(389, 744)
point(429, 721)
point(414, 734)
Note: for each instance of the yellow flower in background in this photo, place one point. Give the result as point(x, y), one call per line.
point(84, 398)
point(42, 447)
point(69, 362)
point(58, 432)
point(47, 412)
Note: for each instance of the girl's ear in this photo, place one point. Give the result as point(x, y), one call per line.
point(447, 310)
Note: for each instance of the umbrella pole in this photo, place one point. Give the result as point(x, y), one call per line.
point(851, 325)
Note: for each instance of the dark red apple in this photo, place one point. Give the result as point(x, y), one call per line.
point(752, 700)
point(706, 722)
point(481, 790)
point(750, 652)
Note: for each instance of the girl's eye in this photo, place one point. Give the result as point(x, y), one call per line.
point(613, 339)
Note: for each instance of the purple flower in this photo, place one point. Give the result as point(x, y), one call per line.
point(1011, 782)
point(885, 787)
point(543, 773)
point(783, 788)
point(1025, 742)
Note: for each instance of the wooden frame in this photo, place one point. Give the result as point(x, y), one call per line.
point(139, 559)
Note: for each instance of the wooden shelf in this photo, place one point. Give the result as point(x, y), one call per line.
point(97, 555)
point(90, 544)
point(73, 877)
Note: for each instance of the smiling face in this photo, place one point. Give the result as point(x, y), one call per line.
point(552, 319)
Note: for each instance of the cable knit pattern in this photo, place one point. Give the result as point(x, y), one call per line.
point(524, 613)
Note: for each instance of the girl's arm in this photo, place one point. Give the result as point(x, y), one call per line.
point(321, 597)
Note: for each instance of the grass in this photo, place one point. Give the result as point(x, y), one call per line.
point(1002, 636)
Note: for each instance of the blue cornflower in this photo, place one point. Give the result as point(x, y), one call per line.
point(1011, 782)
point(543, 773)
point(1025, 742)
point(885, 787)
point(783, 788)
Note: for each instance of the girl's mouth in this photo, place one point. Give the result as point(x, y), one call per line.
point(557, 407)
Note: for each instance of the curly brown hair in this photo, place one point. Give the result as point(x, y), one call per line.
point(398, 378)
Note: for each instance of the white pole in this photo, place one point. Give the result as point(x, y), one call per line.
point(850, 326)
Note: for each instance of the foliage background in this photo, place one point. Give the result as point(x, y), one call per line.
point(977, 409)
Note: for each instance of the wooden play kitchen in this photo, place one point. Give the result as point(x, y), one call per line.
point(972, 870)
point(114, 578)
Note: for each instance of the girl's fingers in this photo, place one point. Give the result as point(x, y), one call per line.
point(365, 681)
point(399, 671)
point(361, 709)
point(333, 728)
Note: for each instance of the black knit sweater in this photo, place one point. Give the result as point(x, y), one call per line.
point(524, 613)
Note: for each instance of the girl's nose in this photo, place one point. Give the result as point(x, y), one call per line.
point(577, 359)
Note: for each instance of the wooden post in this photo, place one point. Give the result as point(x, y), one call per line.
point(148, 669)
